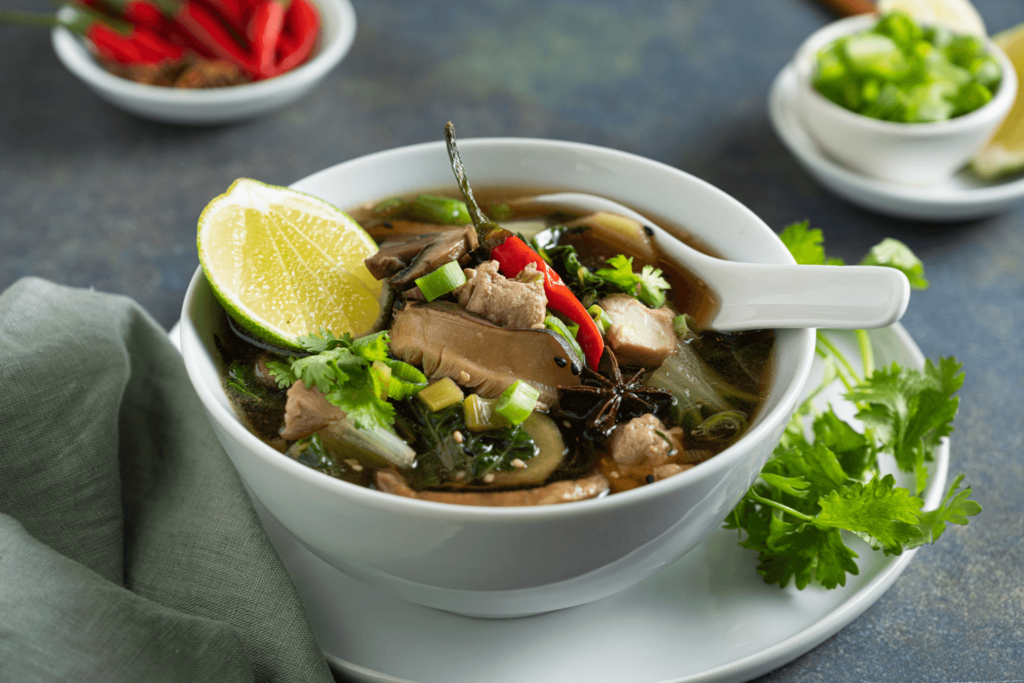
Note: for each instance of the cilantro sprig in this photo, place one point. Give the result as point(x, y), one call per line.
point(815, 487)
point(340, 368)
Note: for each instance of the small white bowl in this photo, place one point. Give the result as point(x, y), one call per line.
point(514, 561)
point(214, 105)
point(904, 153)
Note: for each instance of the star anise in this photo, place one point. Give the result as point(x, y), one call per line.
point(604, 401)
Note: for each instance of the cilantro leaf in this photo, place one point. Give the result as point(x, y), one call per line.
point(362, 403)
point(816, 464)
point(316, 342)
point(805, 245)
point(910, 410)
point(954, 509)
point(852, 449)
point(372, 347)
point(896, 254)
point(620, 274)
point(794, 486)
point(878, 512)
point(282, 373)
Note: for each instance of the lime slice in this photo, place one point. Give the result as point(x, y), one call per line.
point(284, 263)
point(959, 15)
point(1005, 151)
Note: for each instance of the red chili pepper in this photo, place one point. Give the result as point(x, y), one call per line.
point(112, 45)
point(235, 13)
point(264, 32)
point(512, 255)
point(301, 30)
point(204, 28)
point(159, 47)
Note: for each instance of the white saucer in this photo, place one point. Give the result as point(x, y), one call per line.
point(708, 617)
point(962, 197)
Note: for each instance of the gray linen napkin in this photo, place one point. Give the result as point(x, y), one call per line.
point(128, 548)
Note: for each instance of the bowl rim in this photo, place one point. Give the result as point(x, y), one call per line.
point(730, 457)
point(996, 108)
point(331, 49)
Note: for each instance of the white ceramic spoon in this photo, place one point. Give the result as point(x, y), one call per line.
point(763, 296)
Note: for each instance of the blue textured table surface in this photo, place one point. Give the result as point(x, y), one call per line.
point(90, 196)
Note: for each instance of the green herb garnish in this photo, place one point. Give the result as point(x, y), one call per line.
point(813, 489)
point(340, 369)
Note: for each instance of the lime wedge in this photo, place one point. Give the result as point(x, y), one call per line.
point(284, 263)
point(959, 15)
point(1005, 151)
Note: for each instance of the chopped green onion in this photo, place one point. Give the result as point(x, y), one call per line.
point(405, 381)
point(441, 281)
point(721, 426)
point(441, 394)
point(555, 325)
point(442, 210)
point(480, 414)
point(390, 207)
point(517, 401)
point(685, 327)
point(604, 322)
point(383, 375)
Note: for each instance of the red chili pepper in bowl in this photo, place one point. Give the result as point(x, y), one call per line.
point(301, 30)
point(263, 33)
point(513, 255)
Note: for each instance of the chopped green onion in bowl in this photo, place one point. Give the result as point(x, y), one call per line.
point(517, 401)
point(441, 281)
point(902, 72)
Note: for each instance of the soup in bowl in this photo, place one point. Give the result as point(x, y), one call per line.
point(457, 536)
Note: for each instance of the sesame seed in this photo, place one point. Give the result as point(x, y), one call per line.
point(464, 377)
point(518, 464)
point(354, 464)
point(457, 435)
point(461, 474)
point(489, 477)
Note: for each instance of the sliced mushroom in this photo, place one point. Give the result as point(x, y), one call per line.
point(403, 262)
point(447, 341)
point(623, 235)
point(390, 481)
point(396, 255)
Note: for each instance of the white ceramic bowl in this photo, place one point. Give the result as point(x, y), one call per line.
point(508, 562)
point(215, 105)
point(905, 153)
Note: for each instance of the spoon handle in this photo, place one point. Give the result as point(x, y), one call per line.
point(760, 296)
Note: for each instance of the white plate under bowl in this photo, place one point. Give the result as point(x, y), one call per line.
point(964, 196)
point(707, 618)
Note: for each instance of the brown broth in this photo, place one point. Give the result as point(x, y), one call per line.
point(264, 414)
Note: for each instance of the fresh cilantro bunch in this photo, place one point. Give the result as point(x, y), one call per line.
point(812, 489)
point(649, 285)
point(340, 368)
